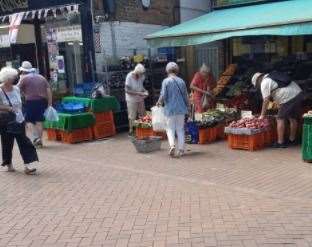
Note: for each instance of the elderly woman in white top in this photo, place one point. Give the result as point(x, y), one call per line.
point(10, 102)
point(135, 95)
point(174, 96)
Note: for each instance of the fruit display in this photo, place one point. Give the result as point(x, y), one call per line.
point(212, 118)
point(250, 123)
point(230, 70)
point(225, 79)
point(144, 122)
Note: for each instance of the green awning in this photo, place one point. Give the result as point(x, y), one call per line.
point(284, 18)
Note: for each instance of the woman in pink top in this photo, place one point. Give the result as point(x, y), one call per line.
point(203, 83)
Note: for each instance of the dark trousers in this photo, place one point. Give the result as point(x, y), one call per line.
point(26, 148)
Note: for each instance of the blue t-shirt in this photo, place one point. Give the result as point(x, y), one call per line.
point(175, 96)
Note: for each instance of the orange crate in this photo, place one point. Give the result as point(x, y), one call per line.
point(77, 136)
point(207, 135)
point(270, 137)
point(220, 132)
point(163, 135)
point(142, 133)
point(247, 142)
point(53, 135)
point(103, 130)
point(104, 117)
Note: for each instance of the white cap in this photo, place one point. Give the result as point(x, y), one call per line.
point(26, 67)
point(172, 66)
point(255, 78)
point(139, 69)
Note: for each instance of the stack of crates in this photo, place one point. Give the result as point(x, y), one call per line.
point(307, 139)
point(104, 125)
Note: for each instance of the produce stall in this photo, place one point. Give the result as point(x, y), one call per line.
point(250, 134)
point(209, 126)
point(83, 119)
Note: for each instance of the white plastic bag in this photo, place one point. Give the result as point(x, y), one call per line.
point(159, 119)
point(51, 115)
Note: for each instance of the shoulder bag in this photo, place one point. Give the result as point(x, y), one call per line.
point(12, 126)
point(185, 102)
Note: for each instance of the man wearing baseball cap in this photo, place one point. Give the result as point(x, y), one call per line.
point(289, 97)
point(38, 95)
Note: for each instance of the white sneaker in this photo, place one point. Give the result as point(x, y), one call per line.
point(11, 168)
point(180, 153)
point(172, 152)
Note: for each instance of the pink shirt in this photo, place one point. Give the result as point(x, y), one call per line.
point(34, 87)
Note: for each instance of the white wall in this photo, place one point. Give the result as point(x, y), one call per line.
point(119, 39)
point(190, 9)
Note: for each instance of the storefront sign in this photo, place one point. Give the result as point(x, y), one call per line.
point(9, 6)
point(70, 33)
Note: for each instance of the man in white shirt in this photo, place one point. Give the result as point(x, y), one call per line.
point(135, 95)
point(289, 99)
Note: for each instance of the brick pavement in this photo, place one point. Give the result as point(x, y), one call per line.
point(104, 194)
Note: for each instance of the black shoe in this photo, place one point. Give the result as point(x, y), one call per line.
point(279, 145)
point(292, 143)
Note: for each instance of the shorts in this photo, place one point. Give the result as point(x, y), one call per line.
point(135, 110)
point(34, 110)
point(291, 109)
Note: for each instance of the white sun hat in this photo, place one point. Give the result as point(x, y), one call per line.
point(255, 78)
point(27, 67)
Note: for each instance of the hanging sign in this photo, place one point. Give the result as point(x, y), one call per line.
point(60, 64)
point(70, 33)
point(15, 22)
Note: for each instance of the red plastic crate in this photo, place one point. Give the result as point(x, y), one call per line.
point(104, 117)
point(163, 135)
point(247, 142)
point(220, 132)
point(142, 133)
point(77, 136)
point(103, 130)
point(53, 135)
point(207, 135)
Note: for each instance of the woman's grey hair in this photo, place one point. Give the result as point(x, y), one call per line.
point(8, 74)
point(172, 67)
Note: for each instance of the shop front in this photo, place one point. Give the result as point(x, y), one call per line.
point(56, 36)
point(266, 37)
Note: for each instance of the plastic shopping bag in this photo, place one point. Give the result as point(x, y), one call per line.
point(51, 115)
point(159, 120)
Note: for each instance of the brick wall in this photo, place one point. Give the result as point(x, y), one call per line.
point(120, 39)
point(161, 12)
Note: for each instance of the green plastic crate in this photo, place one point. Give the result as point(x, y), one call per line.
point(307, 142)
point(307, 120)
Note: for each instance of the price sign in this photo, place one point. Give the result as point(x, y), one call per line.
point(246, 114)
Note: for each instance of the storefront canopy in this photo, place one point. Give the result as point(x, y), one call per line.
point(292, 17)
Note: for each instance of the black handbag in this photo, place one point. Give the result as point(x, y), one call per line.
point(12, 126)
